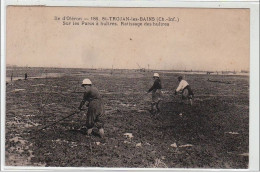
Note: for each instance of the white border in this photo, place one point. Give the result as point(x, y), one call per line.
point(254, 70)
point(139, 3)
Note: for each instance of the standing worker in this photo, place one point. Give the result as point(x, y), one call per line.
point(156, 93)
point(12, 77)
point(95, 107)
point(25, 76)
point(185, 88)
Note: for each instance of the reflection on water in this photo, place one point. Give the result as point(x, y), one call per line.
point(43, 75)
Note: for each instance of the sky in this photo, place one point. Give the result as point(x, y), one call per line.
point(203, 39)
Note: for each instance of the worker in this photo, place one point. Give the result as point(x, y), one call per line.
point(95, 107)
point(156, 94)
point(12, 77)
point(185, 88)
point(25, 76)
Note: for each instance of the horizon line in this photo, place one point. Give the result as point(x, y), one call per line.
point(146, 69)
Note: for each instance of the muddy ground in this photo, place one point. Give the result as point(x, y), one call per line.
point(213, 133)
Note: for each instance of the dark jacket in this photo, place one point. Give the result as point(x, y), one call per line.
point(156, 85)
point(89, 95)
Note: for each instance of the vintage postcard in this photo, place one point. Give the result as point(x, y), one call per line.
point(127, 87)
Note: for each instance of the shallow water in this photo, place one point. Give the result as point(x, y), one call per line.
point(45, 75)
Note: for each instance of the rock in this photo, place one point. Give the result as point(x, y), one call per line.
point(16, 90)
point(14, 139)
point(244, 154)
point(174, 145)
point(28, 125)
point(186, 145)
point(159, 164)
point(129, 135)
point(98, 143)
point(127, 142)
point(138, 145)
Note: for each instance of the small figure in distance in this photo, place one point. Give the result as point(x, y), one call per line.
point(12, 77)
point(25, 76)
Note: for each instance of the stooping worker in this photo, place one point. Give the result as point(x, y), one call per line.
point(185, 88)
point(95, 107)
point(156, 94)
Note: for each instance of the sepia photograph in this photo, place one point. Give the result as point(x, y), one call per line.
point(99, 87)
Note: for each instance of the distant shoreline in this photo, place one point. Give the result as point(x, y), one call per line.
point(223, 72)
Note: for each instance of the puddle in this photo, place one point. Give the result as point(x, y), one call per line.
point(20, 153)
point(17, 90)
point(232, 133)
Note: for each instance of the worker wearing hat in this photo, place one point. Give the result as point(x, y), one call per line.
point(156, 94)
point(185, 88)
point(95, 107)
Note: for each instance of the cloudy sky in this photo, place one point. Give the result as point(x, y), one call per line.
point(203, 39)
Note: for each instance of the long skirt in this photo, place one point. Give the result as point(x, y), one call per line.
point(187, 93)
point(95, 114)
point(156, 96)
